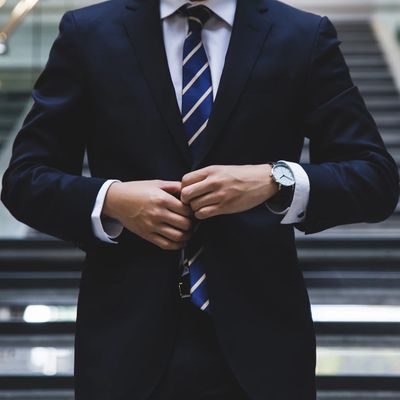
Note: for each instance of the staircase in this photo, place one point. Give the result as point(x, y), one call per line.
point(357, 265)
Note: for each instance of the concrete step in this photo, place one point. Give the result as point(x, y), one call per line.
point(373, 75)
point(357, 26)
point(356, 37)
point(373, 89)
point(38, 394)
point(365, 62)
point(350, 49)
point(391, 121)
point(6, 122)
point(12, 107)
point(383, 104)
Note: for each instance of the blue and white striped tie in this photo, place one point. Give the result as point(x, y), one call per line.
point(197, 101)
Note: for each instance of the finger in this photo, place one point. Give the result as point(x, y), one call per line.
point(196, 176)
point(173, 234)
point(188, 193)
point(204, 201)
point(178, 207)
point(178, 221)
point(166, 244)
point(171, 187)
point(207, 212)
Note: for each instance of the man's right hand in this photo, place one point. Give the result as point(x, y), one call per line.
point(151, 210)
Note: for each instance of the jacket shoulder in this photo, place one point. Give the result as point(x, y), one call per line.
point(294, 19)
point(99, 13)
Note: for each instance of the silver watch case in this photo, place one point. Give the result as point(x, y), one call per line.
point(282, 174)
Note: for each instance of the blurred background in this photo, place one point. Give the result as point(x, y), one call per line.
point(352, 272)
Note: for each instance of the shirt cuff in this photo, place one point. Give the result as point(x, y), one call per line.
point(296, 212)
point(105, 228)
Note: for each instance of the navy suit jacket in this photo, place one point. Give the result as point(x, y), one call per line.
point(106, 88)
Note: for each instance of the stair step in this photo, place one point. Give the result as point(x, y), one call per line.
point(39, 255)
point(391, 139)
point(358, 26)
point(39, 279)
point(385, 104)
point(43, 394)
point(14, 96)
point(356, 37)
point(364, 62)
point(359, 383)
point(355, 49)
point(388, 121)
point(11, 107)
point(378, 89)
point(376, 75)
point(358, 395)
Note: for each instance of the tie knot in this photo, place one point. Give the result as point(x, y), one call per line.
point(197, 16)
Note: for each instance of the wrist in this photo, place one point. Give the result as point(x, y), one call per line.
point(274, 186)
point(270, 186)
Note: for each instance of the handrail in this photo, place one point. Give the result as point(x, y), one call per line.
point(21, 9)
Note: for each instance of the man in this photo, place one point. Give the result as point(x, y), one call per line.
point(191, 287)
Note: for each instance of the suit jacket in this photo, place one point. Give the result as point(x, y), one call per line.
point(106, 88)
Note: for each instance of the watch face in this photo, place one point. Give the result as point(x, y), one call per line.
point(283, 175)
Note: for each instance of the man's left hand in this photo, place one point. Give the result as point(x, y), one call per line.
point(227, 189)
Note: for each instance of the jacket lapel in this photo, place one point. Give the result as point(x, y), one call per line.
point(250, 29)
point(143, 25)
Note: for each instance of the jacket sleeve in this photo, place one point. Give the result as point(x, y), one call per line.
point(352, 176)
point(43, 186)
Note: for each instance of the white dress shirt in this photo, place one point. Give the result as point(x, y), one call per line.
point(216, 35)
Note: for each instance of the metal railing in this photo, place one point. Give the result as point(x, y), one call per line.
point(21, 9)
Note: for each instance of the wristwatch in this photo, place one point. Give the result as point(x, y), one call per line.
point(283, 176)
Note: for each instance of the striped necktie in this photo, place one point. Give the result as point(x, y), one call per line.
point(197, 101)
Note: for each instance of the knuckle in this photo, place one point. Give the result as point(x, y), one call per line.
point(214, 183)
point(154, 213)
point(200, 214)
point(194, 205)
point(162, 200)
point(179, 236)
point(223, 194)
point(185, 193)
point(185, 178)
point(212, 168)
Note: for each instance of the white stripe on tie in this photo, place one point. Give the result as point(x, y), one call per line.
point(196, 106)
point(190, 84)
point(205, 305)
point(190, 55)
point(197, 284)
point(196, 19)
point(196, 135)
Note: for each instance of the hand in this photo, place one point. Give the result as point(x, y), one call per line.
point(151, 210)
point(221, 189)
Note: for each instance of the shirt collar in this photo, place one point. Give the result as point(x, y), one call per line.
point(224, 9)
